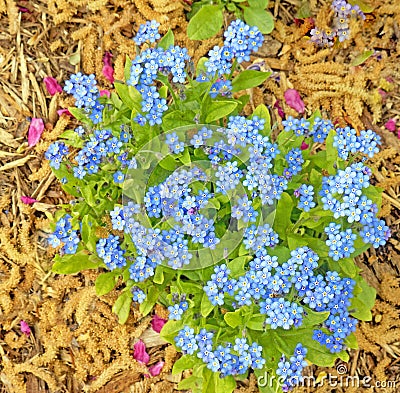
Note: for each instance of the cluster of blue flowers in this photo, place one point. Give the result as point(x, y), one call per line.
point(221, 87)
point(230, 359)
point(281, 312)
point(347, 141)
point(240, 40)
point(101, 144)
point(221, 151)
point(244, 210)
point(178, 308)
point(321, 129)
point(110, 252)
point(340, 243)
point(290, 371)
point(174, 199)
point(201, 137)
point(175, 145)
point(306, 194)
point(65, 234)
point(148, 32)
point(219, 284)
point(343, 12)
point(298, 126)
point(342, 194)
point(301, 127)
point(256, 238)
point(138, 295)
point(146, 67)
point(242, 131)
point(55, 154)
point(332, 293)
point(295, 161)
point(267, 282)
point(228, 176)
point(84, 89)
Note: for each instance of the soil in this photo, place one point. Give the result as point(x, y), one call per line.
point(76, 343)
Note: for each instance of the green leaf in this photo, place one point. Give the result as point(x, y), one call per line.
point(362, 57)
point(151, 299)
point(129, 96)
point(201, 67)
point(127, 68)
point(374, 193)
point(351, 341)
point(295, 240)
point(263, 113)
point(248, 79)
point(78, 113)
point(331, 151)
point(158, 275)
point(191, 383)
point(236, 266)
point(170, 330)
point(206, 23)
point(363, 302)
point(224, 385)
point(185, 157)
point(260, 18)
point(205, 307)
point(348, 267)
point(258, 3)
point(364, 7)
point(73, 263)
point(177, 119)
point(87, 193)
point(234, 319)
point(212, 382)
point(286, 340)
point(283, 212)
point(304, 11)
point(313, 318)
point(72, 138)
point(219, 109)
point(183, 363)
point(169, 163)
point(122, 306)
point(167, 40)
point(75, 58)
point(105, 283)
point(256, 322)
point(231, 7)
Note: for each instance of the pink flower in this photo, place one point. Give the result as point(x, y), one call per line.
point(108, 71)
point(64, 112)
point(391, 125)
point(281, 113)
point(35, 131)
point(382, 93)
point(105, 93)
point(304, 146)
point(140, 353)
point(157, 323)
point(28, 200)
point(398, 133)
point(156, 368)
point(52, 85)
point(292, 98)
point(25, 328)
